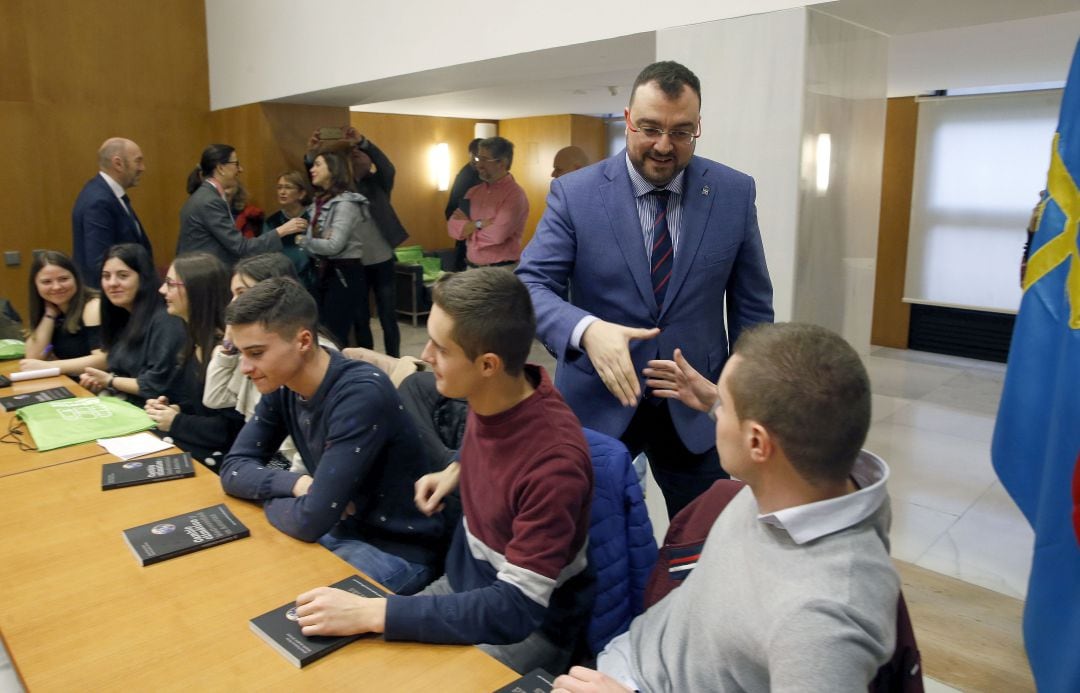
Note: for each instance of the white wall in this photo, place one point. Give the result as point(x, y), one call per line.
point(752, 80)
point(838, 226)
point(268, 49)
point(1025, 51)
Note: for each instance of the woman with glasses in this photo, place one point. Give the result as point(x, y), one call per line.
point(206, 221)
point(293, 194)
point(65, 316)
point(141, 340)
point(340, 220)
point(196, 290)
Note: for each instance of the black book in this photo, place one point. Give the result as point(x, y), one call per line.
point(536, 681)
point(280, 629)
point(175, 536)
point(135, 472)
point(13, 402)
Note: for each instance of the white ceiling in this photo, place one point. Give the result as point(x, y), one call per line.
point(593, 78)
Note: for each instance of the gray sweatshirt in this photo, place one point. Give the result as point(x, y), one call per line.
point(763, 612)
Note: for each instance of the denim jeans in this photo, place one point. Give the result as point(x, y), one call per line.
point(394, 572)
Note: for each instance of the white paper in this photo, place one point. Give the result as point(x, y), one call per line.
point(135, 445)
point(33, 375)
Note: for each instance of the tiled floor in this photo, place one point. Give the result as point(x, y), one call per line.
point(933, 420)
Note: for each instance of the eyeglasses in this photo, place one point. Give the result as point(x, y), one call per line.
point(486, 160)
point(172, 283)
point(654, 134)
point(229, 163)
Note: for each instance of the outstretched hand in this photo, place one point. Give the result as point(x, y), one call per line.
point(679, 380)
point(608, 347)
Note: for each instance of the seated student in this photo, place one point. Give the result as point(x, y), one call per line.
point(516, 575)
point(141, 340)
point(346, 420)
point(196, 290)
point(226, 384)
point(65, 318)
point(794, 589)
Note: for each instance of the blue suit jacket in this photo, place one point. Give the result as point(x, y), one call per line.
point(590, 241)
point(99, 221)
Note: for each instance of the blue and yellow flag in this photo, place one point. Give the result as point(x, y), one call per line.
point(1037, 436)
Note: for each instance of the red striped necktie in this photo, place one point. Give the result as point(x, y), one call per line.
point(663, 254)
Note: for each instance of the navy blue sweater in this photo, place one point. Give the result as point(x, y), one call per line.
point(360, 447)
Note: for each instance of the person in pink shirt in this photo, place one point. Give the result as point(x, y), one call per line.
point(491, 219)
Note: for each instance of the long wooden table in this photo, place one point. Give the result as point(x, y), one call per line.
point(14, 460)
point(78, 612)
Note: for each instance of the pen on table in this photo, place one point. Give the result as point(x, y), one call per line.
point(48, 350)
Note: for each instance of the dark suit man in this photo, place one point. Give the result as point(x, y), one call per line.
point(103, 215)
point(647, 273)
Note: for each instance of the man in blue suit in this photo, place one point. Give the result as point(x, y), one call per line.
point(639, 255)
point(103, 215)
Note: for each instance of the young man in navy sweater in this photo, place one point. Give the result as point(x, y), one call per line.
point(516, 581)
point(345, 417)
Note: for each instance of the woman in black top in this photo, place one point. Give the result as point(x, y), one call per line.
point(196, 290)
point(293, 194)
point(65, 315)
point(141, 340)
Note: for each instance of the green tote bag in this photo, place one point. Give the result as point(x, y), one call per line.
point(66, 422)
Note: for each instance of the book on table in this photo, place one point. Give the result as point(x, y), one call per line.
point(24, 399)
point(536, 681)
point(176, 536)
point(135, 472)
point(279, 628)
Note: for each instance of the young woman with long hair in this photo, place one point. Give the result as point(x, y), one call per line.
point(141, 340)
point(65, 318)
point(196, 290)
point(335, 239)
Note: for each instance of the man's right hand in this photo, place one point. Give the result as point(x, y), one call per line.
point(431, 489)
point(608, 347)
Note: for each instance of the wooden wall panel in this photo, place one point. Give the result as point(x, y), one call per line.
point(590, 134)
point(408, 141)
point(891, 315)
point(535, 142)
point(77, 73)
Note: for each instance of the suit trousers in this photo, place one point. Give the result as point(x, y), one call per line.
point(681, 475)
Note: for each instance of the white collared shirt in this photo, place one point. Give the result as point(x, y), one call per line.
point(117, 189)
point(810, 521)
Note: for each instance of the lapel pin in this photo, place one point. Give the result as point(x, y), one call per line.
point(705, 191)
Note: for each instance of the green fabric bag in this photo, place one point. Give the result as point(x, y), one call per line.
point(12, 349)
point(432, 268)
point(66, 422)
point(409, 253)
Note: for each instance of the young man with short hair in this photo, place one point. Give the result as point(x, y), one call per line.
point(794, 589)
point(349, 426)
point(516, 575)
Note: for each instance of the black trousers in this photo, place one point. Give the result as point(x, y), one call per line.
point(380, 278)
point(343, 301)
point(681, 475)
